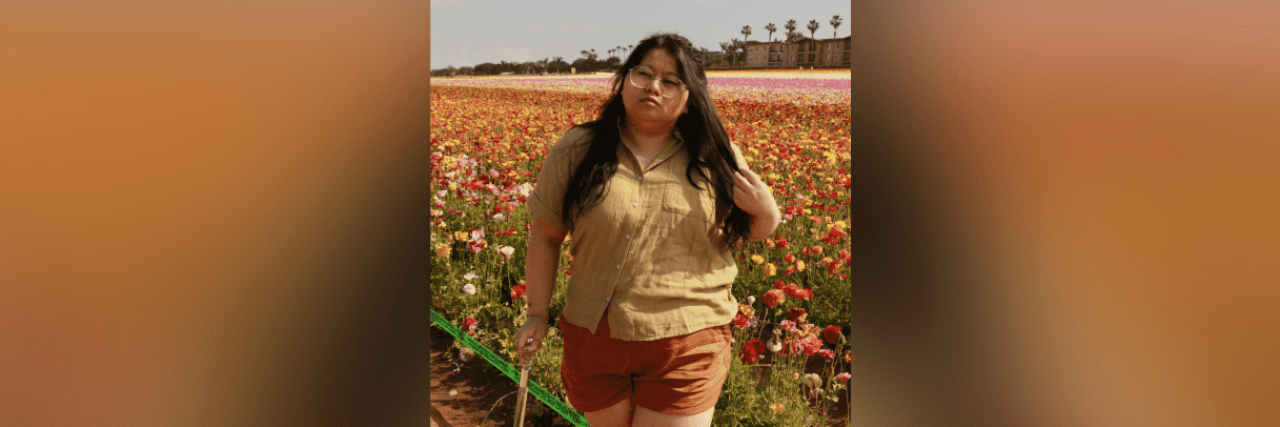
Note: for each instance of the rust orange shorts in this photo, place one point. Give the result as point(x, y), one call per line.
point(679, 375)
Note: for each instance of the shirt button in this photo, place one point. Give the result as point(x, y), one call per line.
point(617, 267)
point(641, 178)
point(634, 204)
point(628, 237)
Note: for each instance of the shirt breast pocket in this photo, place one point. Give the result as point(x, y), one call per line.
point(686, 202)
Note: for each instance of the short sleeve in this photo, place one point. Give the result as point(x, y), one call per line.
point(548, 194)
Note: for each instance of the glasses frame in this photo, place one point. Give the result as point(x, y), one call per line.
point(631, 79)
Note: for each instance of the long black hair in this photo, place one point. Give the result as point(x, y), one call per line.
point(703, 133)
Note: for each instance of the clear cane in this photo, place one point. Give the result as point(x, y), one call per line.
point(522, 394)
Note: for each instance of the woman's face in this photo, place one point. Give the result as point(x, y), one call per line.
point(647, 105)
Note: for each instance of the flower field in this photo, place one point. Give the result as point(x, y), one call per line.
point(489, 137)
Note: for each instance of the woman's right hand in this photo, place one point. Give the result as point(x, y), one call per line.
point(529, 337)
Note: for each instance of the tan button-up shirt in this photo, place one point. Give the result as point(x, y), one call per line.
point(646, 251)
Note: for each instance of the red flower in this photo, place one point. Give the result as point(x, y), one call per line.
point(835, 233)
point(741, 322)
point(790, 259)
point(832, 334)
point(774, 298)
point(797, 314)
point(827, 354)
point(751, 352)
point(844, 255)
point(469, 324)
point(833, 267)
point(779, 285)
point(843, 376)
point(517, 291)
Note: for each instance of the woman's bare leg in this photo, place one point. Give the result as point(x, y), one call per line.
point(618, 415)
point(648, 418)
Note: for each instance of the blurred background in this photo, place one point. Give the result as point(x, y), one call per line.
point(1069, 213)
point(213, 213)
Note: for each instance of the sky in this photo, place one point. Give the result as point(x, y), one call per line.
point(471, 32)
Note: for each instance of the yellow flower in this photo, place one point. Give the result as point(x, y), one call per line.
point(770, 269)
point(757, 259)
point(442, 251)
point(453, 186)
point(799, 265)
point(777, 408)
point(460, 236)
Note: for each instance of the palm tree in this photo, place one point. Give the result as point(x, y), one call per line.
point(835, 23)
point(727, 48)
point(618, 49)
point(771, 28)
point(746, 32)
point(813, 26)
point(738, 45)
point(791, 28)
point(733, 49)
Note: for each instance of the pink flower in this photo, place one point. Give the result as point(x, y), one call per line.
point(844, 376)
point(827, 354)
point(788, 325)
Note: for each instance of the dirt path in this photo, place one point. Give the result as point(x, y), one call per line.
point(474, 396)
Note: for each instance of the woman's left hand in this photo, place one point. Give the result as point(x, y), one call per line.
point(752, 195)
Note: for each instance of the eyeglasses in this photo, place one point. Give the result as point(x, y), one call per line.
point(642, 77)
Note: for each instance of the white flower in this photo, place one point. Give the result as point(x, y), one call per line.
point(442, 193)
point(506, 251)
point(751, 299)
point(469, 289)
point(499, 217)
point(773, 345)
point(470, 276)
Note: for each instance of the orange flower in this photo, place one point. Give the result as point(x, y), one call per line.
point(799, 265)
point(770, 269)
point(777, 408)
point(757, 259)
point(774, 298)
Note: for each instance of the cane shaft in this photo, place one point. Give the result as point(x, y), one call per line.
point(522, 395)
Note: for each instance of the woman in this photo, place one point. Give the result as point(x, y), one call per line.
point(655, 195)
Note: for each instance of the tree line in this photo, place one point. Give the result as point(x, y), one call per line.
point(590, 62)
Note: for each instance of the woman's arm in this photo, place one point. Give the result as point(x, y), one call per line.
point(542, 260)
point(541, 263)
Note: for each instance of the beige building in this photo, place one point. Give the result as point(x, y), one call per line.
point(807, 52)
point(764, 54)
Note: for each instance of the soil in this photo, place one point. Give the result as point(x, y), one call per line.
point(486, 398)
